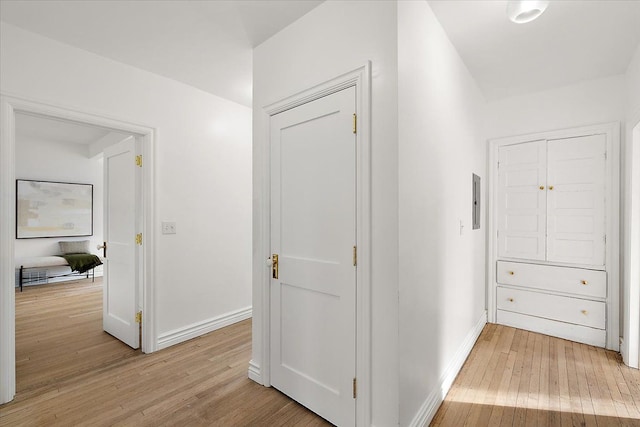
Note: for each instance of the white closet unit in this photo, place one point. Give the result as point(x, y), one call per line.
point(553, 259)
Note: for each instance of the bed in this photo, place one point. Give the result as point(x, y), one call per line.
point(28, 264)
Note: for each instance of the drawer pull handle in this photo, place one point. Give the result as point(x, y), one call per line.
point(511, 273)
point(551, 187)
point(510, 299)
point(584, 282)
point(542, 187)
point(585, 312)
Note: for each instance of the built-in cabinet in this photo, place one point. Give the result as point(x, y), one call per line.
point(553, 227)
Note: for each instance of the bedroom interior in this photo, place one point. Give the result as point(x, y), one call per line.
point(440, 287)
point(59, 229)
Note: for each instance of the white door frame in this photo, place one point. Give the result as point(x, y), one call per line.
point(612, 215)
point(9, 106)
point(630, 347)
point(259, 370)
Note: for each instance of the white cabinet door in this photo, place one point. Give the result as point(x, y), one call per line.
point(576, 200)
point(522, 200)
point(313, 230)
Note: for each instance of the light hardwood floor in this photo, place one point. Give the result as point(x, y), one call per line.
point(69, 372)
point(518, 378)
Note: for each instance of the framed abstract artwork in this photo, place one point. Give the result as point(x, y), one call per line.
point(53, 209)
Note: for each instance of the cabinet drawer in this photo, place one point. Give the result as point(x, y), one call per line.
point(565, 309)
point(578, 281)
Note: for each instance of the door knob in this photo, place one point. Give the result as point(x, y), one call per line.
point(103, 246)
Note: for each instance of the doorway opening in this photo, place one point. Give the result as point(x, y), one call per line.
point(14, 112)
point(59, 313)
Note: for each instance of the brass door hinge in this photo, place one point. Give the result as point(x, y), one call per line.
point(274, 266)
point(355, 123)
point(139, 317)
point(139, 239)
point(355, 256)
point(355, 388)
point(139, 160)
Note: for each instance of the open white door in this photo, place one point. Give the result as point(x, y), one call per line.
point(313, 232)
point(120, 296)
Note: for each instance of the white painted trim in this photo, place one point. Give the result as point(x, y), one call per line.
point(631, 349)
point(612, 264)
point(430, 406)
point(9, 105)
point(195, 330)
point(568, 331)
point(254, 372)
point(7, 255)
point(361, 79)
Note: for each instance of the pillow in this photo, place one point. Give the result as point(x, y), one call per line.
point(75, 247)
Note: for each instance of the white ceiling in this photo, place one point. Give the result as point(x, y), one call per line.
point(59, 130)
point(206, 44)
point(572, 41)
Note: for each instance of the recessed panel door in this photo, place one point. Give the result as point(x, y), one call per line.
point(522, 201)
point(576, 201)
point(313, 232)
point(120, 300)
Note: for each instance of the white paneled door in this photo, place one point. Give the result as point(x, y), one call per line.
point(576, 201)
point(313, 232)
point(522, 203)
point(120, 300)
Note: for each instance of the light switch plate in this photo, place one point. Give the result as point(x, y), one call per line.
point(168, 227)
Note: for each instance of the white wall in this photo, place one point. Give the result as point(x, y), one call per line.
point(202, 167)
point(44, 160)
point(632, 78)
point(586, 103)
point(442, 271)
point(332, 39)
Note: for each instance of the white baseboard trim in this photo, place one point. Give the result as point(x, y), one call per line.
point(197, 329)
point(254, 372)
point(430, 406)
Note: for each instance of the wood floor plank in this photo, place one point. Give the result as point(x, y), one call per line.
point(511, 377)
point(531, 415)
point(583, 387)
point(510, 404)
point(522, 401)
point(555, 418)
point(544, 381)
point(545, 376)
point(483, 400)
point(577, 416)
point(93, 379)
point(622, 378)
point(607, 414)
point(448, 410)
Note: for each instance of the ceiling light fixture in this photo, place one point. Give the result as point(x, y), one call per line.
point(522, 11)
